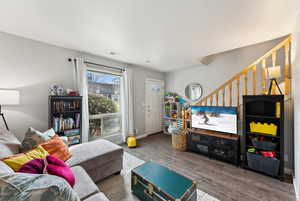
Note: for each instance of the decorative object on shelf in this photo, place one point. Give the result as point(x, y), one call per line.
point(57, 90)
point(278, 110)
point(262, 143)
point(193, 91)
point(173, 129)
point(273, 73)
point(176, 112)
point(263, 128)
point(65, 117)
point(8, 97)
point(71, 92)
point(263, 134)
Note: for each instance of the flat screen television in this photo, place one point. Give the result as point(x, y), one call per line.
point(222, 119)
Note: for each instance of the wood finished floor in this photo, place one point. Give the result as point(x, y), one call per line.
point(219, 179)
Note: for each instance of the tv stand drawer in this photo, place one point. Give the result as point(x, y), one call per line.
point(215, 147)
point(201, 139)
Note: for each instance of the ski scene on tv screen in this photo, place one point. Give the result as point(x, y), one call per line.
point(222, 119)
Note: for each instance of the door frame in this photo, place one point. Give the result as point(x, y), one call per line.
point(162, 82)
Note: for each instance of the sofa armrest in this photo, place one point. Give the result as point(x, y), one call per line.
point(96, 150)
point(84, 185)
point(100, 158)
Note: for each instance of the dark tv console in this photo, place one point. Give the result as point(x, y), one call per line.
point(215, 145)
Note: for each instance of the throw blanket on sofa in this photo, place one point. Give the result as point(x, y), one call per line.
point(50, 165)
point(35, 187)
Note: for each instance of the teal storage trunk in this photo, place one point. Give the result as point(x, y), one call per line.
point(153, 182)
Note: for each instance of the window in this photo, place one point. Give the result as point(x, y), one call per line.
point(104, 100)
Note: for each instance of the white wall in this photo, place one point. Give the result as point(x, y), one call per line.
point(296, 98)
point(139, 78)
point(222, 68)
point(31, 66)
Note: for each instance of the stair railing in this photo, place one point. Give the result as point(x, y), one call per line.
point(223, 95)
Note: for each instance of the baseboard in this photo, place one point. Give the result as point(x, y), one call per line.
point(146, 135)
point(296, 190)
point(288, 171)
point(141, 136)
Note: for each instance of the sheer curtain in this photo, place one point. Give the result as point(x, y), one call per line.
point(127, 117)
point(80, 70)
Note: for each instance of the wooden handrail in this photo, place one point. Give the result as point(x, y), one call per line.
point(245, 74)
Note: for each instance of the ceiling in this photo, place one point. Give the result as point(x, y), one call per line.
point(161, 34)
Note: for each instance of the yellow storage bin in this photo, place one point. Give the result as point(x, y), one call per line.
point(265, 128)
point(131, 142)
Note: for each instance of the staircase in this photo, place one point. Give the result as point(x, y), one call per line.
point(252, 80)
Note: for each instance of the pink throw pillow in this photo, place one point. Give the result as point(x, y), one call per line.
point(50, 165)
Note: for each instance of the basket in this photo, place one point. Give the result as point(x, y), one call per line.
point(269, 166)
point(179, 141)
point(264, 145)
point(265, 128)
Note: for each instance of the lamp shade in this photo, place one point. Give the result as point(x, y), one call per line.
point(274, 72)
point(9, 97)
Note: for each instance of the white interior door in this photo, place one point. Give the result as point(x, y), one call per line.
point(153, 103)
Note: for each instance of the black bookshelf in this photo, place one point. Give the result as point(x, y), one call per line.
point(65, 117)
point(264, 109)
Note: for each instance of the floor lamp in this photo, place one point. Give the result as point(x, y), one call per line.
point(8, 97)
point(273, 73)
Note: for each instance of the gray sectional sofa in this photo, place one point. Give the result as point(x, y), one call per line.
point(90, 163)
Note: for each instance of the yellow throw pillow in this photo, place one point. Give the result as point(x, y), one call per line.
point(16, 161)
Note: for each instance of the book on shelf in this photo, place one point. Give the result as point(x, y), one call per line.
point(62, 124)
point(64, 106)
point(74, 139)
point(77, 120)
point(72, 132)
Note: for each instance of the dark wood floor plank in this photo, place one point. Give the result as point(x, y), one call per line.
point(219, 179)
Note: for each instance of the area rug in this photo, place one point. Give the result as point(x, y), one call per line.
point(117, 187)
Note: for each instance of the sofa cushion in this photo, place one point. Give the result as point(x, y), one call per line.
point(97, 197)
point(38, 187)
point(34, 137)
point(84, 185)
point(49, 165)
point(94, 154)
point(56, 147)
point(5, 168)
point(9, 144)
point(6, 150)
point(16, 161)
